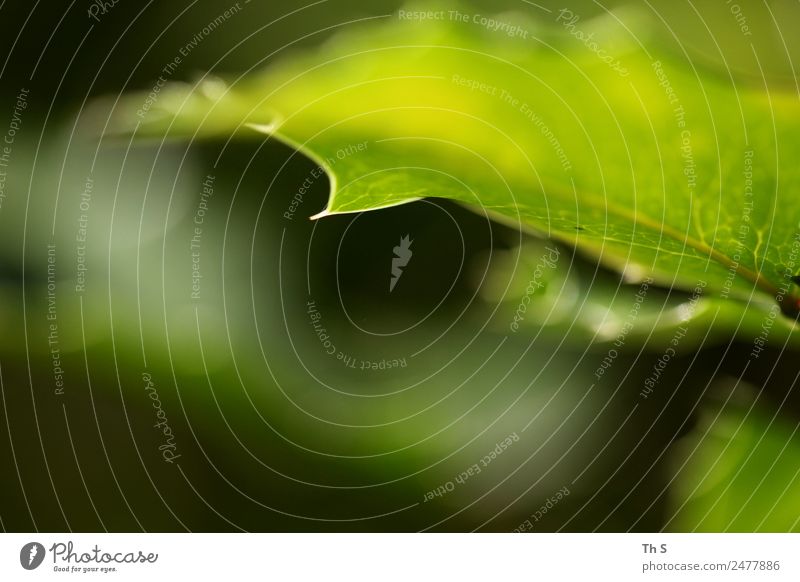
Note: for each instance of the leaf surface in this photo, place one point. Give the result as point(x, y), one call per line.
point(582, 131)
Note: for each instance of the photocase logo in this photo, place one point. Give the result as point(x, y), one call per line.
point(31, 555)
point(402, 256)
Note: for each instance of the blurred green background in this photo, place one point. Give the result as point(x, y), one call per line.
point(275, 434)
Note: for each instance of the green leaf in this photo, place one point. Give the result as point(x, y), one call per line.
point(587, 132)
point(737, 472)
point(541, 288)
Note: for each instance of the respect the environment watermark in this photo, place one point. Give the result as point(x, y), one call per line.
point(172, 67)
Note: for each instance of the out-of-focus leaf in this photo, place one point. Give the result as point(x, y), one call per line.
point(738, 472)
point(542, 288)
